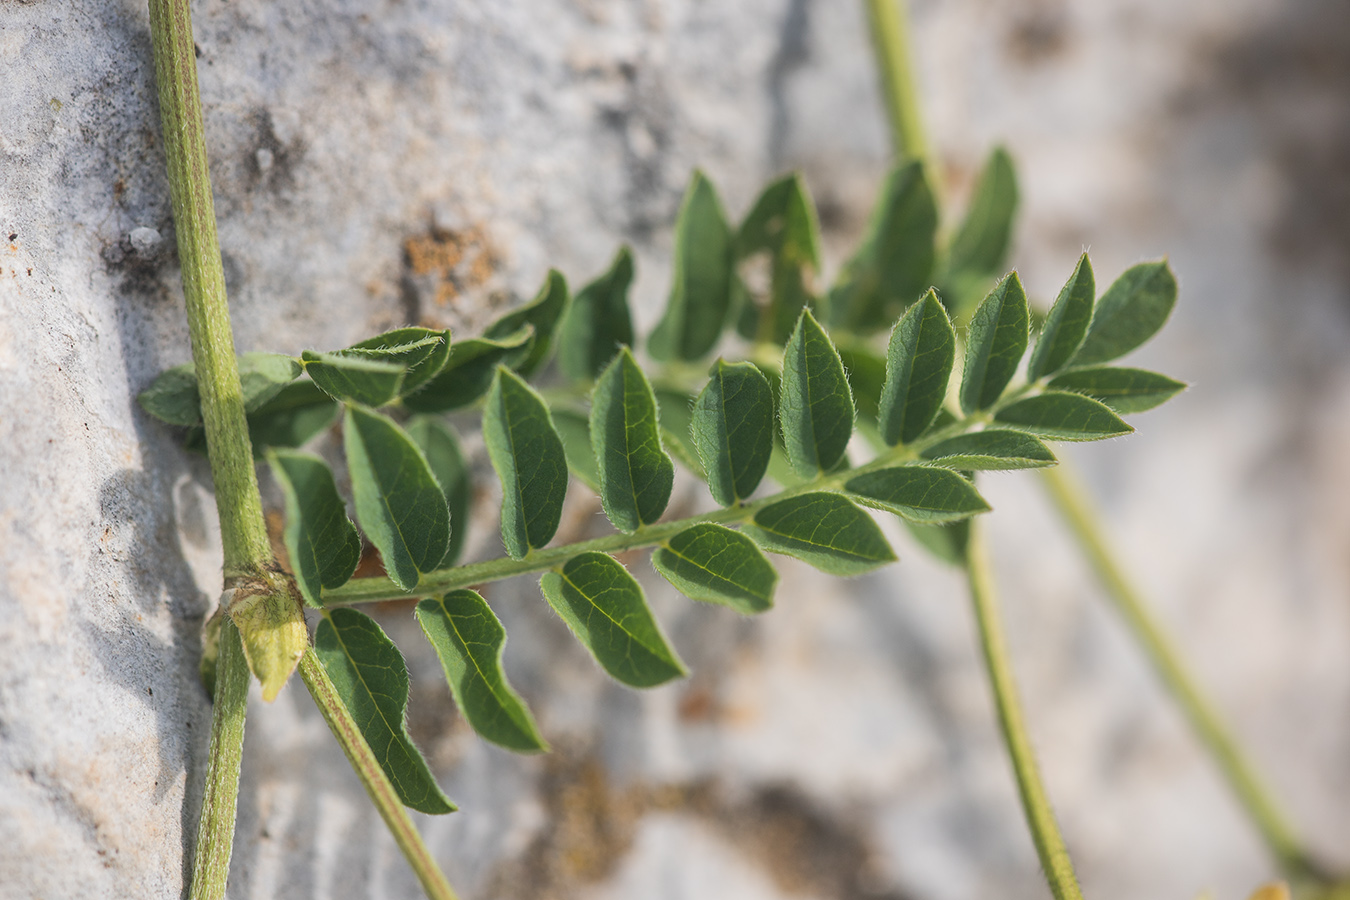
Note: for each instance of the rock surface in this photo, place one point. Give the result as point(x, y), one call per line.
point(842, 745)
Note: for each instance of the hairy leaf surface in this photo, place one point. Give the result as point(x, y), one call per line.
point(607, 611)
point(997, 340)
point(712, 563)
point(321, 541)
point(598, 322)
point(441, 448)
point(469, 640)
point(422, 351)
point(528, 455)
point(372, 680)
point(468, 374)
point(919, 363)
point(824, 529)
point(1066, 325)
point(816, 405)
point(733, 430)
point(700, 297)
point(1131, 311)
point(1064, 417)
point(993, 449)
point(918, 493)
point(635, 473)
point(363, 379)
point(1124, 390)
point(399, 504)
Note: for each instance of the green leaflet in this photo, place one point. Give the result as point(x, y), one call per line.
point(1066, 325)
point(894, 263)
point(469, 641)
point(173, 398)
point(372, 679)
point(993, 449)
point(816, 406)
point(528, 455)
point(441, 448)
point(995, 344)
point(825, 530)
point(1063, 417)
point(575, 431)
point(636, 475)
point(1124, 390)
point(782, 223)
point(598, 322)
point(299, 411)
point(733, 430)
point(543, 314)
point(918, 366)
point(468, 374)
point(399, 504)
point(981, 243)
point(947, 542)
point(866, 377)
point(717, 565)
point(321, 542)
point(1129, 313)
point(918, 493)
point(606, 610)
point(700, 296)
point(422, 351)
point(362, 379)
point(674, 411)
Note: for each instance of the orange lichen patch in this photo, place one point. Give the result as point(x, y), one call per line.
point(450, 262)
point(446, 293)
point(433, 253)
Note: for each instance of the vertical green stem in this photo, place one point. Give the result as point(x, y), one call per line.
point(1072, 502)
point(242, 529)
point(377, 785)
point(1045, 833)
point(888, 21)
point(215, 831)
point(243, 532)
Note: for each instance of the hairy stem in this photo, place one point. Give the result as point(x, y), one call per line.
point(1045, 833)
point(377, 785)
point(888, 22)
point(215, 831)
point(243, 532)
point(1074, 507)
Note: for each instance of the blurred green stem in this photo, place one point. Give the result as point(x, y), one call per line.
point(889, 23)
point(1071, 501)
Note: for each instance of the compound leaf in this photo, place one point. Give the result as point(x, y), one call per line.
point(1063, 416)
point(371, 679)
point(700, 297)
point(816, 406)
point(824, 529)
point(1131, 311)
point(1066, 325)
point(441, 448)
point(1124, 390)
point(598, 322)
point(712, 563)
point(468, 374)
point(543, 314)
point(981, 242)
point(894, 263)
point(995, 344)
point(528, 455)
point(919, 362)
point(636, 475)
point(918, 493)
point(607, 611)
point(733, 430)
point(993, 449)
point(321, 541)
point(399, 504)
point(469, 639)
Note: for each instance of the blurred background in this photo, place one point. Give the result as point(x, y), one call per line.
point(383, 162)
